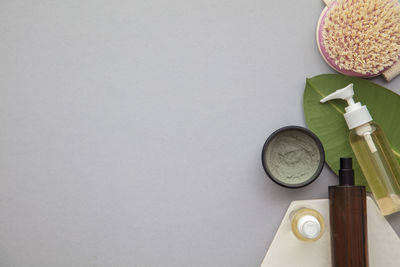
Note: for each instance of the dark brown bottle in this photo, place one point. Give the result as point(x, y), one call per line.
point(348, 220)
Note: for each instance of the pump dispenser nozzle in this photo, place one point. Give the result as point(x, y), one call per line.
point(346, 93)
point(356, 114)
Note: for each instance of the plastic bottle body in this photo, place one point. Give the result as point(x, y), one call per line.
point(303, 223)
point(378, 164)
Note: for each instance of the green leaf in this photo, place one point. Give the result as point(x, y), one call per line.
point(327, 121)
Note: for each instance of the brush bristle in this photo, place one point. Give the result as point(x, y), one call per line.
point(363, 35)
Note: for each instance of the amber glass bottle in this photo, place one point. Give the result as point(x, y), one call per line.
point(348, 220)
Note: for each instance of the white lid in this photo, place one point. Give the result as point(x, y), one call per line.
point(309, 226)
point(356, 114)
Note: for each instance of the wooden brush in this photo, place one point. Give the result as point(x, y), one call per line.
point(361, 37)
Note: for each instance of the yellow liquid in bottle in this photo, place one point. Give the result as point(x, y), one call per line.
point(296, 215)
point(379, 166)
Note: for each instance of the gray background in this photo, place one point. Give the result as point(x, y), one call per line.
point(131, 131)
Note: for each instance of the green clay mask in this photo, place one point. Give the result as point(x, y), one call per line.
point(293, 157)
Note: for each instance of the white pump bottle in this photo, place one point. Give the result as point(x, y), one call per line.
point(373, 152)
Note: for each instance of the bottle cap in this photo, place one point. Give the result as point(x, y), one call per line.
point(346, 172)
point(309, 226)
point(356, 114)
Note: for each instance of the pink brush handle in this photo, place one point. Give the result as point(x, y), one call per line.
point(392, 72)
point(328, 2)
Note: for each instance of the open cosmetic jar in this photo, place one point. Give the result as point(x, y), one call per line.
point(293, 156)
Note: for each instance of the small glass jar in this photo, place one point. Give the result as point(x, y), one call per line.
point(307, 224)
